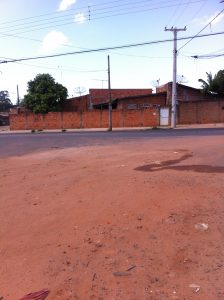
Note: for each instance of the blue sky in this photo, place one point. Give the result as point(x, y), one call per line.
point(34, 28)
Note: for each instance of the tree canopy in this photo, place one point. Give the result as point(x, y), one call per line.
point(5, 102)
point(44, 94)
point(213, 85)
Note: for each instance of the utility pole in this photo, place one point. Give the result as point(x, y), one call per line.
point(175, 30)
point(18, 101)
point(110, 99)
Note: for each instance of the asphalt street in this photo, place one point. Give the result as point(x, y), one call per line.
point(17, 144)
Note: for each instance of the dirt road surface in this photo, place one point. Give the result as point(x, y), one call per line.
point(115, 222)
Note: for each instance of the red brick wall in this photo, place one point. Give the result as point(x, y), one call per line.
point(186, 94)
point(89, 119)
point(118, 119)
point(51, 120)
point(101, 95)
point(76, 104)
point(162, 88)
point(96, 96)
point(71, 120)
point(157, 99)
point(201, 112)
point(152, 117)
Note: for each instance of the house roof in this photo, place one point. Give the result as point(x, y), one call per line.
point(182, 85)
point(105, 104)
point(140, 96)
point(100, 96)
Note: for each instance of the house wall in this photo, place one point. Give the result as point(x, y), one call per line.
point(101, 95)
point(89, 119)
point(185, 94)
point(96, 96)
point(154, 99)
point(76, 104)
point(201, 112)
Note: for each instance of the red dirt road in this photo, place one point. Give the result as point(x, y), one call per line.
point(115, 222)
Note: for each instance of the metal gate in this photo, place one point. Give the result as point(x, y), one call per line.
point(164, 116)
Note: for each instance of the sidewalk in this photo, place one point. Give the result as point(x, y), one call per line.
point(198, 126)
point(6, 130)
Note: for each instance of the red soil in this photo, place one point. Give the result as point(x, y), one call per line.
point(114, 222)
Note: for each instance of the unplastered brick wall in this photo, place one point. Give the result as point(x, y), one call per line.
point(76, 103)
point(101, 95)
point(201, 112)
point(186, 94)
point(148, 117)
point(150, 99)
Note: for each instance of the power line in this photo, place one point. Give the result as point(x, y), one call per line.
point(210, 53)
point(92, 13)
point(202, 29)
point(104, 15)
point(200, 8)
point(95, 11)
point(147, 9)
point(207, 56)
point(59, 68)
point(174, 14)
point(59, 12)
point(108, 48)
point(181, 12)
point(93, 7)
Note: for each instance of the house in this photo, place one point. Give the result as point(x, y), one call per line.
point(135, 102)
point(99, 98)
point(80, 103)
point(193, 106)
point(131, 107)
point(185, 93)
point(135, 98)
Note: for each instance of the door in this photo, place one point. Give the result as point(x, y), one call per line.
point(164, 116)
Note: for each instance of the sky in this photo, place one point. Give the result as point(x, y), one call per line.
point(39, 28)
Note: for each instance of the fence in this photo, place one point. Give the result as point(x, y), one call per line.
point(90, 119)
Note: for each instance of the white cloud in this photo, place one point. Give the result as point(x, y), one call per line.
point(80, 18)
point(65, 4)
point(206, 19)
point(53, 41)
point(217, 20)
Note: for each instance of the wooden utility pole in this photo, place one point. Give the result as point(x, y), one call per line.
point(110, 98)
point(174, 84)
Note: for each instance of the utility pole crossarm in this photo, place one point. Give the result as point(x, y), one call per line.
point(175, 30)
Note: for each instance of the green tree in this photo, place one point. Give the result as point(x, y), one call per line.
point(5, 102)
point(44, 94)
point(213, 85)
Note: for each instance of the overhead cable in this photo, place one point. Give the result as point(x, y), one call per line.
point(207, 56)
point(95, 16)
point(107, 48)
point(202, 29)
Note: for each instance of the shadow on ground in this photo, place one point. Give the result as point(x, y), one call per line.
point(168, 165)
